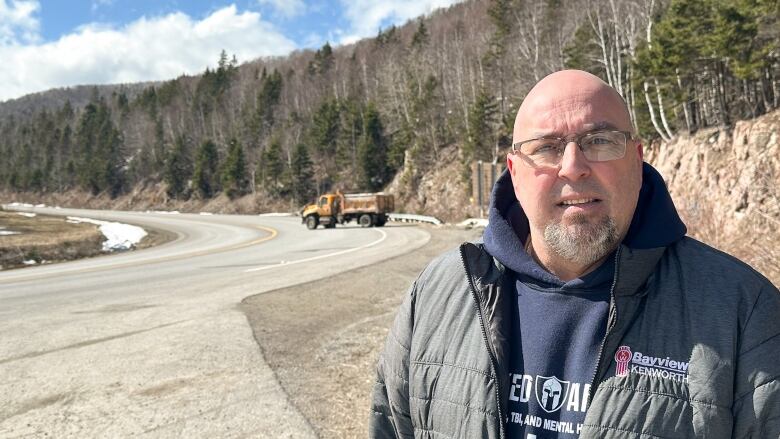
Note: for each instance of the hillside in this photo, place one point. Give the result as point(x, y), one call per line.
point(355, 110)
point(407, 111)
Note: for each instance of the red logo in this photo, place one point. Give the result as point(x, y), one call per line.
point(622, 357)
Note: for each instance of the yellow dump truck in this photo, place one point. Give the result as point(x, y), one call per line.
point(337, 208)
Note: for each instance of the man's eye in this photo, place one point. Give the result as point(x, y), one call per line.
point(599, 140)
point(545, 148)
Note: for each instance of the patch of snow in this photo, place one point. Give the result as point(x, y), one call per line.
point(8, 232)
point(277, 214)
point(206, 213)
point(27, 214)
point(20, 205)
point(29, 262)
point(164, 212)
point(118, 236)
point(40, 205)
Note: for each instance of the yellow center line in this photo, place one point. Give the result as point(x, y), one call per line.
point(272, 234)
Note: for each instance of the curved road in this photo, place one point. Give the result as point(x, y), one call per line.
point(151, 342)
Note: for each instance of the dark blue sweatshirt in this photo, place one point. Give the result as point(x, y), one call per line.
point(561, 325)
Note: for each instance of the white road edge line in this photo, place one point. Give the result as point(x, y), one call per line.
point(314, 258)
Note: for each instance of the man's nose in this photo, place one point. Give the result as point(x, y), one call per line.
point(574, 165)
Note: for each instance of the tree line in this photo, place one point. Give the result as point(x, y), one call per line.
point(356, 117)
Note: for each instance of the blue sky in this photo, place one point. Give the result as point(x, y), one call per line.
point(308, 24)
point(58, 43)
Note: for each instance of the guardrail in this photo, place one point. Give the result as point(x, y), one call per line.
point(410, 218)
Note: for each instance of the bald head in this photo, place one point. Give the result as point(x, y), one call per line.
point(567, 102)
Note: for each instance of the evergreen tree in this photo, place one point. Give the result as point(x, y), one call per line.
point(482, 118)
point(582, 52)
point(101, 161)
point(272, 167)
point(110, 157)
point(420, 37)
point(86, 139)
point(178, 169)
point(267, 101)
point(234, 174)
point(66, 178)
point(373, 152)
point(323, 60)
point(206, 166)
point(302, 175)
point(214, 83)
point(349, 134)
point(325, 129)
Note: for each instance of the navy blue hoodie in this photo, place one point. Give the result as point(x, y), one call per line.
point(560, 325)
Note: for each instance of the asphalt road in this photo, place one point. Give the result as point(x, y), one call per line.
point(152, 343)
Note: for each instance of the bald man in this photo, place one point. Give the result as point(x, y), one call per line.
point(586, 311)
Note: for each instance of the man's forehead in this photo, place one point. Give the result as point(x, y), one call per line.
point(584, 128)
point(569, 112)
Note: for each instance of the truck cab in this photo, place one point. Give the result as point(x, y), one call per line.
point(324, 211)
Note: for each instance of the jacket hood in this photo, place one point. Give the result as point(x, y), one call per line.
point(655, 222)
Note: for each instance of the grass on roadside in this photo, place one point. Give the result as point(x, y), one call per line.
point(45, 238)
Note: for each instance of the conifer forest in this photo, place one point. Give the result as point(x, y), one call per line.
point(353, 117)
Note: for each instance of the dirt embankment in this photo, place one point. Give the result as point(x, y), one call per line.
point(322, 339)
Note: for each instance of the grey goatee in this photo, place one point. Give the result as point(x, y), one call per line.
point(582, 242)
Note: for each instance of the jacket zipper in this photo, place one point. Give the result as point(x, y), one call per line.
point(493, 360)
point(610, 326)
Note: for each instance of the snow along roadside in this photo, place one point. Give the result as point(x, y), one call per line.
point(119, 237)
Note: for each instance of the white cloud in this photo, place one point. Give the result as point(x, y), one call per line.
point(18, 22)
point(147, 49)
point(286, 8)
point(367, 16)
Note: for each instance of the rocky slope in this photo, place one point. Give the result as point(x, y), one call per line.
point(726, 185)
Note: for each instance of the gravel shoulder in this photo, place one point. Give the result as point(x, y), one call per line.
point(322, 339)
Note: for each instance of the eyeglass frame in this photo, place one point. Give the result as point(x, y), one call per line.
point(572, 138)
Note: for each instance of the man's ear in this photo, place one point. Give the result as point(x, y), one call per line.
point(509, 161)
point(640, 151)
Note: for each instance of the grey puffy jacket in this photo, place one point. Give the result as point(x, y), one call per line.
point(443, 371)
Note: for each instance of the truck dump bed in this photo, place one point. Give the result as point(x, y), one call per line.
point(379, 203)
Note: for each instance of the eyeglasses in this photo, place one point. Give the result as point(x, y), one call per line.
point(596, 146)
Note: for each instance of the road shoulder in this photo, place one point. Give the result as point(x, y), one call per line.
point(322, 338)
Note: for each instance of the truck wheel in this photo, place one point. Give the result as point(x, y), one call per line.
point(380, 221)
point(331, 224)
point(365, 220)
point(311, 222)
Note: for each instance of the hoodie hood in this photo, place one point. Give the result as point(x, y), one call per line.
point(655, 223)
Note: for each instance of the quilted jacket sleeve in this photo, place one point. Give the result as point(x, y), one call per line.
point(756, 406)
point(390, 400)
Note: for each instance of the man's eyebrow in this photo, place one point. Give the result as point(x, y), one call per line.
point(602, 126)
